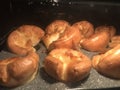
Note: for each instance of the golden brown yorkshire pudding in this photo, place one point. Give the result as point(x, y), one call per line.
point(57, 26)
point(24, 38)
point(54, 30)
point(110, 29)
point(85, 27)
point(108, 64)
point(115, 40)
point(16, 71)
point(69, 39)
point(67, 65)
point(98, 41)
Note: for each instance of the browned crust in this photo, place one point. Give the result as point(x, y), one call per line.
point(70, 39)
point(85, 27)
point(24, 38)
point(16, 71)
point(99, 41)
point(67, 65)
point(110, 29)
point(115, 40)
point(108, 64)
point(54, 30)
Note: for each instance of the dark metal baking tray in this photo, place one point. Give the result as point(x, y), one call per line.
point(41, 13)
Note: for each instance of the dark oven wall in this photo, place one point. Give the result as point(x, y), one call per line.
point(5, 15)
point(96, 11)
point(42, 12)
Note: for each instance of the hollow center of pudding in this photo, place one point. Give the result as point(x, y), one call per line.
point(25, 41)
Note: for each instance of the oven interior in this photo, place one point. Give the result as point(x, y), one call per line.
point(15, 13)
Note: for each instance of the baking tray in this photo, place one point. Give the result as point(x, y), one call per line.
point(41, 13)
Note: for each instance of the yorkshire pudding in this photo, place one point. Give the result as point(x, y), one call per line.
point(85, 27)
point(67, 65)
point(108, 64)
point(110, 29)
point(54, 30)
point(69, 39)
point(24, 38)
point(99, 40)
point(115, 40)
point(16, 71)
